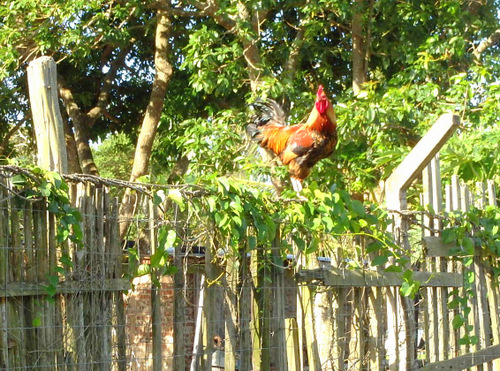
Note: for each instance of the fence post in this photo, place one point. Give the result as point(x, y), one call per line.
point(403, 356)
point(49, 129)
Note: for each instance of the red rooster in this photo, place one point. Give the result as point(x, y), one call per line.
point(299, 146)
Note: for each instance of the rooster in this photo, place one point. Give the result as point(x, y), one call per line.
point(299, 146)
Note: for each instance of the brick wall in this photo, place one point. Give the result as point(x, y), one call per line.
point(139, 320)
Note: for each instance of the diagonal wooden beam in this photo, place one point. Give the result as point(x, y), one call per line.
point(418, 159)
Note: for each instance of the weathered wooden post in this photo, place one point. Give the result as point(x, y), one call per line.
point(49, 129)
point(402, 357)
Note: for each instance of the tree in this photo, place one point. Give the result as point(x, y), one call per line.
point(393, 67)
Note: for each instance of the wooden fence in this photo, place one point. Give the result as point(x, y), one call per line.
point(227, 312)
point(82, 325)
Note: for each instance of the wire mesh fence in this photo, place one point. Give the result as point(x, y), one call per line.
point(154, 300)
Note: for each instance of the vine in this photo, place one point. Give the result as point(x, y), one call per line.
point(475, 233)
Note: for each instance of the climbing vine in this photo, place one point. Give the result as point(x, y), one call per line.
point(472, 234)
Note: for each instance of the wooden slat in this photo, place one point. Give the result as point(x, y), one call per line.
point(292, 344)
point(466, 360)
point(17, 289)
point(278, 306)
point(435, 247)
point(336, 277)
point(491, 193)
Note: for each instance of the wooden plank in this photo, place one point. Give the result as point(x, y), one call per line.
point(481, 195)
point(245, 302)
point(179, 320)
point(116, 254)
point(230, 280)
point(307, 293)
point(493, 302)
point(257, 310)
point(357, 355)
point(4, 272)
point(456, 195)
point(336, 277)
point(432, 339)
point(435, 247)
point(492, 200)
point(17, 289)
point(278, 307)
point(483, 311)
point(466, 360)
point(292, 345)
point(375, 347)
point(418, 158)
point(394, 327)
point(197, 346)
point(156, 315)
point(340, 346)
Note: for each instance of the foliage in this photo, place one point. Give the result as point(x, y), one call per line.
point(419, 64)
point(473, 162)
point(50, 187)
point(114, 156)
point(235, 218)
point(475, 235)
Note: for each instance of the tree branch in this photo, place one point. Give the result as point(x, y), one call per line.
point(154, 109)
point(294, 56)
point(210, 8)
point(485, 44)
point(80, 125)
point(7, 137)
point(107, 84)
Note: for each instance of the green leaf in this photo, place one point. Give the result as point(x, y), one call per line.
point(394, 268)
point(53, 280)
point(449, 235)
point(457, 321)
point(312, 247)
point(158, 259)
point(18, 180)
point(45, 189)
point(50, 290)
point(468, 245)
point(143, 269)
point(37, 321)
point(158, 197)
point(379, 260)
point(176, 196)
point(358, 208)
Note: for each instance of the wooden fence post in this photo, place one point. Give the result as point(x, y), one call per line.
point(401, 339)
point(49, 129)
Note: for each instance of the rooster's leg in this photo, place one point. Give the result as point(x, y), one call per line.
point(296, 185)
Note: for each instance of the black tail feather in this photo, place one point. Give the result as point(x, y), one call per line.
point(265, 112)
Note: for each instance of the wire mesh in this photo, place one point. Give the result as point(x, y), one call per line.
point(242, 311)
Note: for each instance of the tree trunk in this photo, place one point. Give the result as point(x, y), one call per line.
point(358, 53)
point(81, 133)
point(152, 116)
point(73, 160)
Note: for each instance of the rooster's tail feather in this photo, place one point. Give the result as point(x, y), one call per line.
point(265, 112)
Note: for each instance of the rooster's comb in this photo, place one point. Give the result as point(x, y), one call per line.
point(320, 91)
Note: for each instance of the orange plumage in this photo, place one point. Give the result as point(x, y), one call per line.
point(299, 146)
